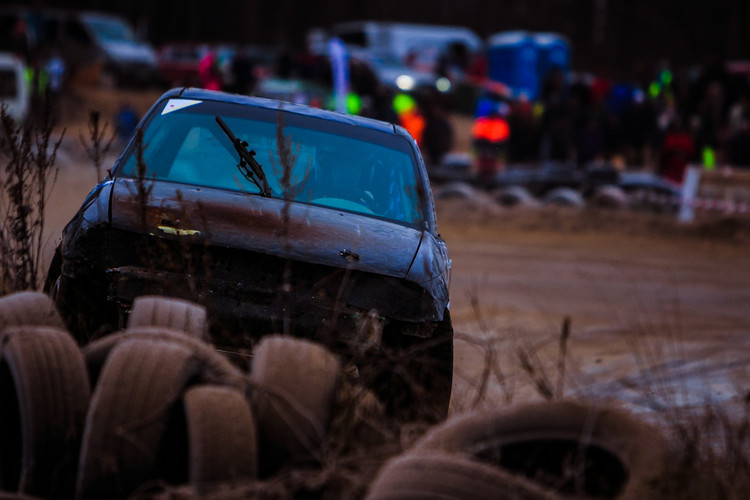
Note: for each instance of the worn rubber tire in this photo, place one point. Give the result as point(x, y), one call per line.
point(515, 196)
point(217, 368)
point(428, 476)
point(141, 383)
point(29, 308)
point(625, 455)
point(608, 196)
point(44, 395)
point(183, 315)
point(294, 381)
point(456, 190)
point(221, 436)
point(564, 197)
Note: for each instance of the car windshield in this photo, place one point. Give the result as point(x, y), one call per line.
point(111, 30)
point(320, 162)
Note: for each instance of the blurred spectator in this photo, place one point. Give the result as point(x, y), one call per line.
point(556, 126)
point(126, 120)
point(638, 123)
point(20, 39)
point(677, 150)
point(209, 72)
point(709, 119)
point(437, 136)
point(379, 105)
point(55, 68)
point(590, 144)
point(738, 147)
point(523, 143)
point(243, 72)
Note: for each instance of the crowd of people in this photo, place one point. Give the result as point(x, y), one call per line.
point(661, 123)
point(661, 120)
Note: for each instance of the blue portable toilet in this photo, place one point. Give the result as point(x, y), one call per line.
point(512, 58)
point(553, 51)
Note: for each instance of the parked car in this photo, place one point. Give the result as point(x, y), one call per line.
point(84, 39)
point(278, 218)
point(178, 63)
point(14, 94)
point(128, 59)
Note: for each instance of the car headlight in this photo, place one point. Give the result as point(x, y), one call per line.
point(405, 82)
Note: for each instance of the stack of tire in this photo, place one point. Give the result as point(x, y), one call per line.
point(154, 409)
point(151, 405)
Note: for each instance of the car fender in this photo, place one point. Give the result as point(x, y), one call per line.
point(431, 269)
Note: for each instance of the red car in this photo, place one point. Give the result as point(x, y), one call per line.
point(178, 63)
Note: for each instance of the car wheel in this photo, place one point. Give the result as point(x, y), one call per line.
point(414, 376)
point(573, 447)
point(44, 394)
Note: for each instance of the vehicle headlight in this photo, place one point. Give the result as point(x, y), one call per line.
point(443, 84)
point(405, 82)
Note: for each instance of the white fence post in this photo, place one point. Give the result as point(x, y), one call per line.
point(689, 191)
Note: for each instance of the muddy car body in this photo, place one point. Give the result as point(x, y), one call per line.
point(277, 217)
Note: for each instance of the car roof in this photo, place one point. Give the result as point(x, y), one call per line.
point(299, 109)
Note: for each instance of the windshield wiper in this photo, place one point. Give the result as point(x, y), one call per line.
point(248, 165)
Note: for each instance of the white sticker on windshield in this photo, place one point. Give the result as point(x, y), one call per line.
point(175, 104)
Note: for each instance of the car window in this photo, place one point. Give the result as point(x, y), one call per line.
point(111, 30)
point(314, 165)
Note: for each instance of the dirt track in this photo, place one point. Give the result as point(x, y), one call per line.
point(659, 312)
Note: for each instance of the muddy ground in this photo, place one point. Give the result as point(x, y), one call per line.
point(659, 313)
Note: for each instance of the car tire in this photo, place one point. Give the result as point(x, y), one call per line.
point(456, 190)
point(293, 386)
point(29, 308)
point(422, 476)
point(414, 376)
point(611, 197)
point(624, 455)
point(140, 385)
point(183, 315)
point(564, 197)
point(217, 368)
point(222, 441)
point(44, 395)
point(515, 196)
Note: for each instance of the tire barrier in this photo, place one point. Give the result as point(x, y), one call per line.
point(156, 407)
point(181, 315)
point(44, 393)
point(28, 308)
point(294, 416)
point(571, 447)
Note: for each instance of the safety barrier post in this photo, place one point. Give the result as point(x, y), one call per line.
point(689, 191)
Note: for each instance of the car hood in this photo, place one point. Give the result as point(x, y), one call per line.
point(296, 231)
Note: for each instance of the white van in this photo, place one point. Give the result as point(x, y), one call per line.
point(404, 55)
point(399, 40)
point(14, 93)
